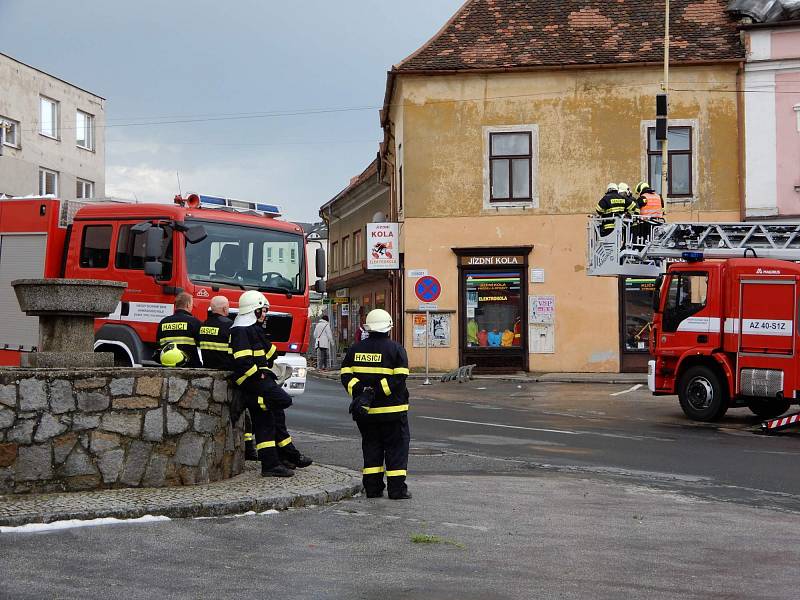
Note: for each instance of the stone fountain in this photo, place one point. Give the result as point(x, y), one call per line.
point(67, 309)
point(70, 420)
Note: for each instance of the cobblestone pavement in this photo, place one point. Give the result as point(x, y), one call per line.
point(314, 485)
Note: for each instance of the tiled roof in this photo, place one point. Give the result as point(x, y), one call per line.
point(509, 34)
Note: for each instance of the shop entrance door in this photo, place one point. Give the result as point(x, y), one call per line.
point(493, 330)
point(635, 317)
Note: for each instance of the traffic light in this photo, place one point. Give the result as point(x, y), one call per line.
point(661, 117)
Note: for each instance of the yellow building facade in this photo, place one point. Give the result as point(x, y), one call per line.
point(516, 267)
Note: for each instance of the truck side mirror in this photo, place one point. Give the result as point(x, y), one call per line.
point(319, 286)
point(195, 234)
point(657, 293)
point(320, 262)
point(154, 268)
point(153, 241)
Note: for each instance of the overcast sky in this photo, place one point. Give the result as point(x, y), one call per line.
point(217, 63)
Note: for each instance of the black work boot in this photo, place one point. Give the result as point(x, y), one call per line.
point(301, 461)
point(250, 451)
point(374, 493)
point(401, 494)
point(278, 470)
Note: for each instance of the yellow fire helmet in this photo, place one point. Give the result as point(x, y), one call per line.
point(172, 356)
point(379, 320)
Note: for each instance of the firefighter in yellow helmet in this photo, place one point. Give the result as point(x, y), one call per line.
point(612, 205)
point(374, 373)
point(651, 204)
point(253, 357)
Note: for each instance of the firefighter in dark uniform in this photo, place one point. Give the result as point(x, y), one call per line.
point(613, 206)
point(181, 330)
point(374, 373)
point(253, 357)
point(214, 336)
point(214, 342)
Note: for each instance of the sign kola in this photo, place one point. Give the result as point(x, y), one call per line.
point(492, 260)
point(382, 246)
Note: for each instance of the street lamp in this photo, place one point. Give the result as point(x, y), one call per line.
point(665, 87)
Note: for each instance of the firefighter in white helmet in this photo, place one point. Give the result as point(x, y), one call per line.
point(374, 373)
point(253, 357)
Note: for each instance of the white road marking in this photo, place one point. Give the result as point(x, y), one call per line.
point(500, 425)
point(628, 391)
point(557, 431)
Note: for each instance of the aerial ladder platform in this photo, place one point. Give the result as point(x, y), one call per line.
point(638, 247)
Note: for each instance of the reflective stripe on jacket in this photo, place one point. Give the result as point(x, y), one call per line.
point(181, 328)
point(382, 364)
point(253, 354)
point(214, 342)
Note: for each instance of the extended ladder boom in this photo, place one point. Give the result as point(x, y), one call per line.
point(638, 247)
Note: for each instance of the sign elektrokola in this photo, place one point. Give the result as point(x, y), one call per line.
point(382, 248)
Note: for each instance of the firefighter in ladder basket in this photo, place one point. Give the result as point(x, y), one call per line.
point(374, 373)
point(253, 357)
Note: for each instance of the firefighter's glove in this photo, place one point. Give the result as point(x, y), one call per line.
point(359, 406)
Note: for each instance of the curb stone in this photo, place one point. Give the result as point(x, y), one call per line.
point(317, 484)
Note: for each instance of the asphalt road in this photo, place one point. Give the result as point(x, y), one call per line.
point(597, 429)
point(542, 491)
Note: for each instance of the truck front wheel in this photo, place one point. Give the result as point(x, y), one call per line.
point(702, 396)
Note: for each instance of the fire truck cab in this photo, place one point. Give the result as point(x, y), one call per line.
point(206, 246)
point(725, 334)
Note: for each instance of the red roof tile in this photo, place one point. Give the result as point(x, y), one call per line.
point(509, 34)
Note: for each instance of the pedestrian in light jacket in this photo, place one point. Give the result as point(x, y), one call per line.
point(324, 343)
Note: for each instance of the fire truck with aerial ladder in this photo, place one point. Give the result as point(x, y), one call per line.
point(725, 330)
point(204, 245)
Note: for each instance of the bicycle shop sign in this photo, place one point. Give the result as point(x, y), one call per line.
point(492, 261)
point(382, 246)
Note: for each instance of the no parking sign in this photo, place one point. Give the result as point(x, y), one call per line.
point(427, 289)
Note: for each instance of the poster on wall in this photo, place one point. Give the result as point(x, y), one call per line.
point(382, 246)
point(438, 330)
point(345, 310)
point(541, 309)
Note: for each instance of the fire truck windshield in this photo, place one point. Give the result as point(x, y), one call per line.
point(248, 257)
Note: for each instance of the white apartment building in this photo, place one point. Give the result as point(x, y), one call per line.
point(53, 140)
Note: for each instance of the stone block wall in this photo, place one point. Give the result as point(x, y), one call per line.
point(106, 428)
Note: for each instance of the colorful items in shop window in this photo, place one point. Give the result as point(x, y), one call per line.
point(483, 338)
point(494, 338)
point(472, 332)
point(508, 338)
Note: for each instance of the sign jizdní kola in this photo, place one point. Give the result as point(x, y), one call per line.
point(382, 246)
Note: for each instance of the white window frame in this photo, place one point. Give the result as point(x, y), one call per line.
point(494, 206)
point(43, 172)
point(695, 125)
point(85, 184)
point(15, 128)
point(56, 118)
point(280, 255)
point(89, 118)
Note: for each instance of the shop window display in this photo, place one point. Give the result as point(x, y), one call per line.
point(493, 309)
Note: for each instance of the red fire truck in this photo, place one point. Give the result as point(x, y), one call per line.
point(725, 333)
point(204, 245)
point(725, 327)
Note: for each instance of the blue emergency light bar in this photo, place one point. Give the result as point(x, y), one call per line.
point(692, 256)
point(271, 210)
